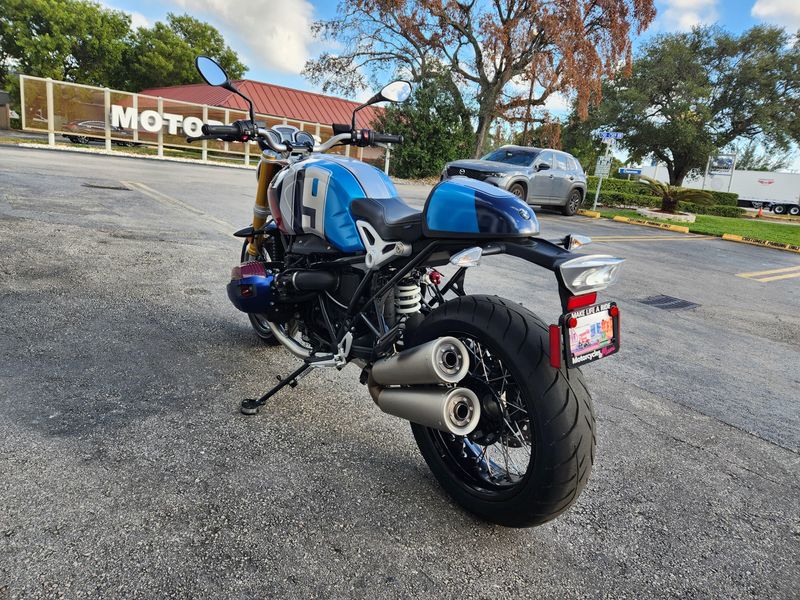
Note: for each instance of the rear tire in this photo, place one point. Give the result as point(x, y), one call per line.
point(779, 209)
point(794, 211)
point(557, 422)
point(573, 203)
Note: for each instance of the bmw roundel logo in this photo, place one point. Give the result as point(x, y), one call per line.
point(461, 171)
point(524, 214)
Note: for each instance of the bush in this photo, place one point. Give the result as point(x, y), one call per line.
point(614, 198)
point(618, 185)
point(724, 198)
point(634, 187)
point(719, 210)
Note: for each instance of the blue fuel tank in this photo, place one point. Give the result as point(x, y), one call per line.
point(461, 207)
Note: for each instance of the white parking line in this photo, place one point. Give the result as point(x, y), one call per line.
point(166, 200)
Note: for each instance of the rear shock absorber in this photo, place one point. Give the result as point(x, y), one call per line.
point(407, 296)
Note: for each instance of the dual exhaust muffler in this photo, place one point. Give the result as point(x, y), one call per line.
point(424, 371)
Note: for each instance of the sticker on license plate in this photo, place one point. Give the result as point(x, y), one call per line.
point(590, 333)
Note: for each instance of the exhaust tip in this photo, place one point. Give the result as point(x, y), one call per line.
point(462, 411)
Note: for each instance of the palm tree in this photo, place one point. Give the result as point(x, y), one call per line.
point(672, 195)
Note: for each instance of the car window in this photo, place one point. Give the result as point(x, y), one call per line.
point(545, 157)
point(512, 156)
point(573, 165)
point(561, 161)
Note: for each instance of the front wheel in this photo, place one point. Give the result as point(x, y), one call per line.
point(573, 203)
point(531, 454)
point(259, 322)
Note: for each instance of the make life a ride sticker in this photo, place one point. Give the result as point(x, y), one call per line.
point(594, 336)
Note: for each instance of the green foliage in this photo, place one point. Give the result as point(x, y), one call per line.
point(619, 185)
point(616, 198)
point(748, 157)
point(719, 210)
point(726, 198)
point(164, 54)
point(72, 40)
point(432, 128)
point(694, 93)
point(672, 196)
point(84, 42)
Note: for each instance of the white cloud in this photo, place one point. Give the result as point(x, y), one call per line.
point(276, 33)
point(682, 15)
point(781, 12)
point(138, 20)
point(557, 103)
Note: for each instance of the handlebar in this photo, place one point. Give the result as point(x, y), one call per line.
point(243, 131)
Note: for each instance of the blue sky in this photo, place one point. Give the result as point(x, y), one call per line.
point(273, 38)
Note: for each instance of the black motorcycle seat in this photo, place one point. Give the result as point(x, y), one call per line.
point(392, 218)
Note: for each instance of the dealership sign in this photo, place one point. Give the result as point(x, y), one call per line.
point(127, 117)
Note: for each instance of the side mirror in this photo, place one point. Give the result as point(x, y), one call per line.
point(542, 166)
point(397, 91)
point(213, 74)
point(210, 71)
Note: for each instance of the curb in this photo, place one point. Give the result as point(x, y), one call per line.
point(763, 243)
point(667, 226)
point(588, 213)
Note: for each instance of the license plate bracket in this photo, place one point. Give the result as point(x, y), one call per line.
point(590, 333)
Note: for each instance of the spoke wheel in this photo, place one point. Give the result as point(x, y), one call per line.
point(495, 456)
point(530, 456)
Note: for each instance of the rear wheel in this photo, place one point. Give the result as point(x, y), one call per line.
point(794, 210)
point(531, 454)
point(573, 203)
point(779, 209)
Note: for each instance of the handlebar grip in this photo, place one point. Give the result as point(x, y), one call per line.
point(220, 130)
point(387, 138)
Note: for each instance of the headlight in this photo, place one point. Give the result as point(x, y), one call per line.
point(590, 273)
point(498, 175)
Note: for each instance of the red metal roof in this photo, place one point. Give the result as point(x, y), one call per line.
point(272, 100)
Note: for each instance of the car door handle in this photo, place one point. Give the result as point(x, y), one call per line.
point(571, 178)
point(550, 176)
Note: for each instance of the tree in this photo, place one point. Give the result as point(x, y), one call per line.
point(432, 128)
point(692, 94)
point(164, 54)
point(749, 158)
point(672, 196)
point(496, 52)
point(71, 40)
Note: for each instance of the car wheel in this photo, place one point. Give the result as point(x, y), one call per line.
point(779, 209)
point(794, 211)
point(81, 139)
point(573, 203)
point(518, 190)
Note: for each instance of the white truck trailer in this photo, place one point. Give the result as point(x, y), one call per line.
point(778, 192)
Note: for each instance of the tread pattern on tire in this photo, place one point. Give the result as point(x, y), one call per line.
point(564, 421)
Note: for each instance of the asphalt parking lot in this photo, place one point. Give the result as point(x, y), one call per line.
point(126, 470)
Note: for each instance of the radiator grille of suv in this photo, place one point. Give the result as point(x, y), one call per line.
point(472, 173)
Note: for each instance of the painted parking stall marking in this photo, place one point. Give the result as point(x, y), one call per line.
point(772, 274)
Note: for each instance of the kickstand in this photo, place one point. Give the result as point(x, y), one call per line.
point(250, 406)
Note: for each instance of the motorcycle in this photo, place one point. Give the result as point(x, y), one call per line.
point(337, 269)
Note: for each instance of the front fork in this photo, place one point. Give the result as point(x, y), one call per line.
point(267, 169)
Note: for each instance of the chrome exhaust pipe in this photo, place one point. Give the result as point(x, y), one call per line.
point(444, 360)
point(452, 410)
point(288, 342)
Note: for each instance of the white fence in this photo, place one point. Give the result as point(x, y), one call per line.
point(119, 118)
